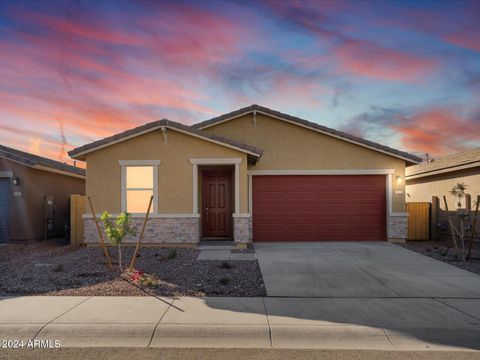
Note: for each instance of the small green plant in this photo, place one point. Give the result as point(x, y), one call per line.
point(459, 192)
point(117, 230)
point(224, 281)
point(59, 268)
point(172, 254)
point(226, 265)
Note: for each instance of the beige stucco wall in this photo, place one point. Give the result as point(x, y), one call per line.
point(26, 210)
point(287, 146)
point(174, 173)
point(422, 190)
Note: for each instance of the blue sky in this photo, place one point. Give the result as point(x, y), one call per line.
point(403, 73)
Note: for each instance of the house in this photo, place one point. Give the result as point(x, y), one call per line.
point(34, 195)
point(429, 182)
point(436, 178)
point(254, 174)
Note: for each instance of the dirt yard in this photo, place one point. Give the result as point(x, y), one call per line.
point(52, 268)
point(444, 251)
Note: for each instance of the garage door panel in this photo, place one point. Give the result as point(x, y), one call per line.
point(310, 208)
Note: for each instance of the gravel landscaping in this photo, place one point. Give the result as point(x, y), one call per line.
point(444, 251)
point(52, 268)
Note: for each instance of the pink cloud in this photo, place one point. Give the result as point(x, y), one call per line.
point(371, 60)
point(438, 131)
point(79, 72)
point(467, 39)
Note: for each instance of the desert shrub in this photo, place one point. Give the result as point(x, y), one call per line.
point(172, 254)
point(226, 265)
point(224, 281)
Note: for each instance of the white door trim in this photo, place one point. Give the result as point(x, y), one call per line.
point(215, 161)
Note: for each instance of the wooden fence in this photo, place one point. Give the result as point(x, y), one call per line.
point(77, 209)
point(418, 220)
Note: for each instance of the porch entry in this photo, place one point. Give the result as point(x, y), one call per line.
point(217, 203)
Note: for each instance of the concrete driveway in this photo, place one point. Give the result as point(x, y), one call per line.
point(359, 269)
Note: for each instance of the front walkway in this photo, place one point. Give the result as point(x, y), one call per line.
point(359, 269)
point(320, 323)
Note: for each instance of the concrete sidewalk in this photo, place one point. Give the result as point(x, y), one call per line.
point(283, 323)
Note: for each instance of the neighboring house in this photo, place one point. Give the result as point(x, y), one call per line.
point(34, 195)
point(436, 178)
point(251, 175)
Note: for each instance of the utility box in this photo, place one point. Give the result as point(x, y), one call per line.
point(48, 214)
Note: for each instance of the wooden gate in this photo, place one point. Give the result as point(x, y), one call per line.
point(77, 209)
point(418, 220)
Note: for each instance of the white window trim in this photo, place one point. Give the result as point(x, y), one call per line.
point(215, 161)
point(123, 170)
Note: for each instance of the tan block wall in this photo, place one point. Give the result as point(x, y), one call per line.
point(158, 231)
point(422, 190)
point(174, 173)
point(287, 146)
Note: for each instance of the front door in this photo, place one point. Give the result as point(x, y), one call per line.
point(217, 203)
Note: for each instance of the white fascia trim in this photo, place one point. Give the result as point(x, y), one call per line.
point(240, 215)
point(60, 172)
point(230, 118)
point(6, 174)
point(76, 156)
point(152, 216)
point(46, 168)
point(139, 162)
point(311, 128)
point(323, 172)
point(442, 171)
point(215, 161)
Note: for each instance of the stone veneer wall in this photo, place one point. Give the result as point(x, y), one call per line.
point(158, 231)
point(242, 229)
point(397, 227)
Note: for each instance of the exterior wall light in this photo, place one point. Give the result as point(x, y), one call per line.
point(399, 180)
point(16, 181)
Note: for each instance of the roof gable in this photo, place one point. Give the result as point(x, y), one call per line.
point(309, 125)
point(458, 161)
point(39, 162)
point(80, 152)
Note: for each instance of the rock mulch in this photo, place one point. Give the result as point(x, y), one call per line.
point(51, 268)
point(444, 251)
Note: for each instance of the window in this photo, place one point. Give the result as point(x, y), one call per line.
point(139, 183)
point(139, 188)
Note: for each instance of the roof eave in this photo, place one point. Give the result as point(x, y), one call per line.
point(78, 154)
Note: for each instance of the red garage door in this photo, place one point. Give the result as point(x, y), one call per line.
point(312, 208)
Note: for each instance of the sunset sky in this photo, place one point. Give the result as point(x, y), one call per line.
point(402, 73)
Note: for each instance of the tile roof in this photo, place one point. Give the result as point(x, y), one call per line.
point(35, 160)
point(449, 162)
point(78, 152)
point(386, 149)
